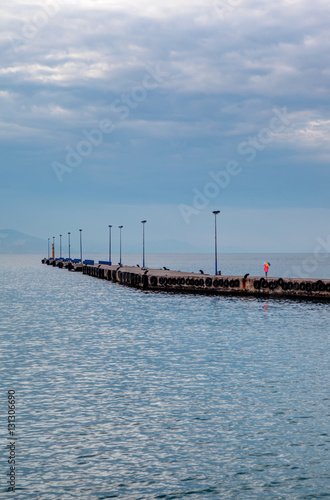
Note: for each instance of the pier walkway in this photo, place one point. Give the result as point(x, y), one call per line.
point(176, 281)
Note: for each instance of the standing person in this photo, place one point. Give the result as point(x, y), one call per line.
point(266, 268)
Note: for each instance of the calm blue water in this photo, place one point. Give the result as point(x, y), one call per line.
point(138, 395)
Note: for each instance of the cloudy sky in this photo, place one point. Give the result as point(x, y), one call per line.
point(118, 111)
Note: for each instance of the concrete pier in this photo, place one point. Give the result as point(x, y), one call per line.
point(184, 282)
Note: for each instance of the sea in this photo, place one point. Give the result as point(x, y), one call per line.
point(138, 395)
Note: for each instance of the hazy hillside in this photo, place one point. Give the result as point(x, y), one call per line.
point(15, 242)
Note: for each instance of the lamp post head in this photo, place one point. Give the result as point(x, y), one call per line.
point(69, 233)
point(143, 221)
point(120, 227)
point(109, 225)
point(216, 212)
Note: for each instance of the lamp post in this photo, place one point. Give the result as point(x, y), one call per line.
point(120, 228)
point(80, 230)
point(53, 247)
point(48, 247)
point(216, 212)
point(143, 252)
point(110, 245)
point(60, 246)
point(69, 245)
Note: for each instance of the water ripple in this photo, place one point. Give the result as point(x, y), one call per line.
point(126, 394)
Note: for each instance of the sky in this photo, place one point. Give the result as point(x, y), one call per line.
point(112, 112)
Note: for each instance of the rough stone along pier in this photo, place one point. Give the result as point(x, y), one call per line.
point(165, 280)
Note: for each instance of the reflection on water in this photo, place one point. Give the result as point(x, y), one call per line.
point(139, 395)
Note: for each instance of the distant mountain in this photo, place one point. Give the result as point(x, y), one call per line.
point(177, 246)
point(15, 242)
point(170, 246)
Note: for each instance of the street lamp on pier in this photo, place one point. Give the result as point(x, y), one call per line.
point(110, 245)
point(69, 245)
point(143, 252)
point(120, 228)
point(216, 212)
point(80, 230)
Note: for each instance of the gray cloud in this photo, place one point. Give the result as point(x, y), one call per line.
point(223, 77)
